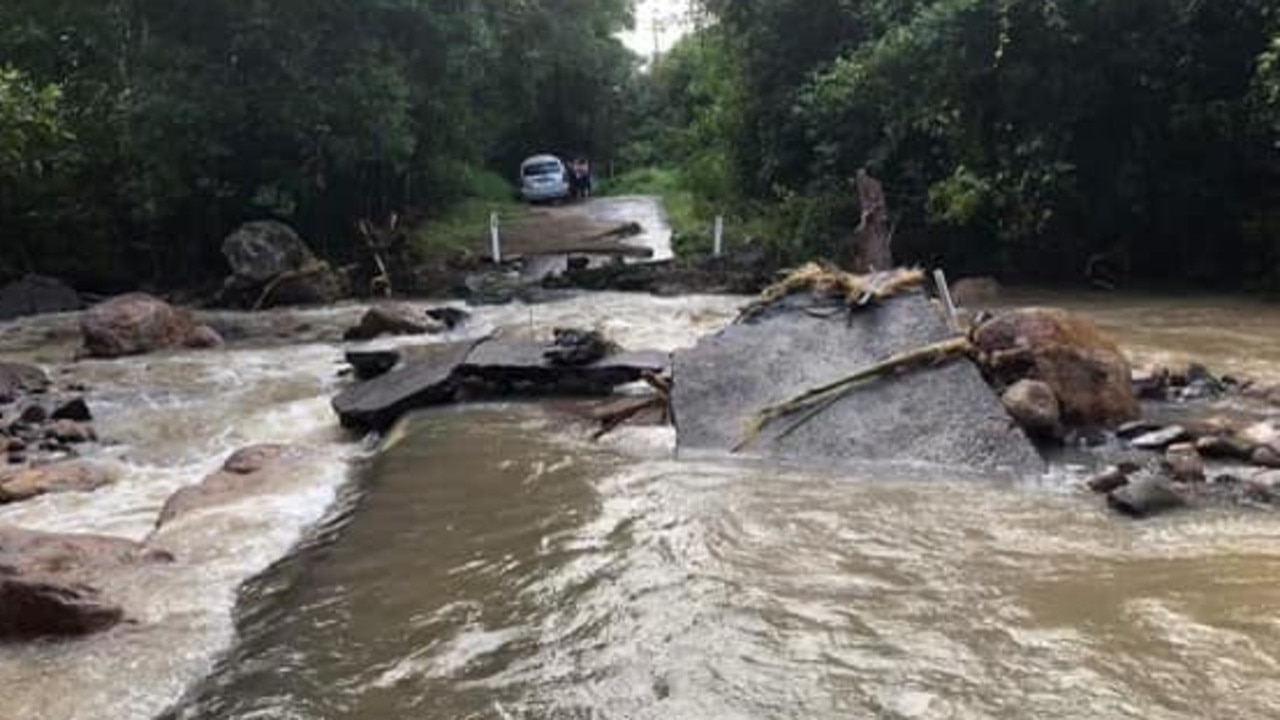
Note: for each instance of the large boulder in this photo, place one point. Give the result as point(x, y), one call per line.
point(262, 250)
point(136, 324)
point(251, 470)
point(942, 414)
point(37, 295)
point(52, 585)
point(1087, 372)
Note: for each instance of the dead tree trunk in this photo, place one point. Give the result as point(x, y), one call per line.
point(873, 241)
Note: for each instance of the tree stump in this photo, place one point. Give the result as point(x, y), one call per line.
point(873, 241)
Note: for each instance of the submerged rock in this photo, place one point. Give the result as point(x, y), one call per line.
point(246, 472)
point(50, 585)
point(136, 324)
point(1088, 373)
point(942, 414)
point(1146, 496)
point(37, 295)
point(70, 476)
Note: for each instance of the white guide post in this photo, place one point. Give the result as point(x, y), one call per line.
point(719, 235)
point(495, 238)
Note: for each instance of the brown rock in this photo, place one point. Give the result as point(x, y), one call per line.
point(70, 431)
point(241, 475)
point(1034, 406)
point(1087, 372)
point(1183, 463)
point(69, 476)
point(1108, 481)
point(134, 324)
point(49, 584)
point(1223, 448)
point(204, 337)
point(393, 320)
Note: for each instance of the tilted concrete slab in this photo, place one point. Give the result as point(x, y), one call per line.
point(944, 414)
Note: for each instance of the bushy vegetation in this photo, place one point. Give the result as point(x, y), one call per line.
point(1030, 139)
point(145, 131)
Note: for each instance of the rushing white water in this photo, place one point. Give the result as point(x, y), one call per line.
point(170, 420)
point(175, 417)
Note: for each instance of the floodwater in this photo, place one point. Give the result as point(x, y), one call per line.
point(490, 562)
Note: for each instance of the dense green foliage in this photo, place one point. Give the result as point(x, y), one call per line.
point(1021, 138)
point(1037, 139)
point(136, 133)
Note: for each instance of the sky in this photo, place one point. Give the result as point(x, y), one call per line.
point(666, 17)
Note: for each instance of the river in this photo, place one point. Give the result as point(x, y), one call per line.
point(490, 562)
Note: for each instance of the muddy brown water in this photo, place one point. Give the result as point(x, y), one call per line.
point(491, 562)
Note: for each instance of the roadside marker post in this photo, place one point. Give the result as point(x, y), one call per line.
point(719, 235)
point(495, 238)
point(949, 304)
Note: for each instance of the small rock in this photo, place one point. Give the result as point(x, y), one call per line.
point(1223, 448)
point(15, 445)
point(1034, 407)
point(576, 348)
point(17, 458)
point(1160, 439)
point(371, 364)
point(1145, 497)
point(74, 409)
point(452, 317)
point(1151, 382)
point(1109, 481)
point(1184, 464)
point(33, 414)
point(204, 337)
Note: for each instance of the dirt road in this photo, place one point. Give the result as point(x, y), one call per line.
point(584, 227)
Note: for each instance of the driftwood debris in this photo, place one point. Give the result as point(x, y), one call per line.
point(812, 403)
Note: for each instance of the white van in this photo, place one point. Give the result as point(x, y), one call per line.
point(543, 178)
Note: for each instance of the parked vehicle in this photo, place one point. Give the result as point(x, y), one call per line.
point(544, 178)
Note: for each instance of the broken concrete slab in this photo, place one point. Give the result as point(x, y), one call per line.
point(428, 380)
point(440, 374)
point(944, 414)
point(513, 367)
